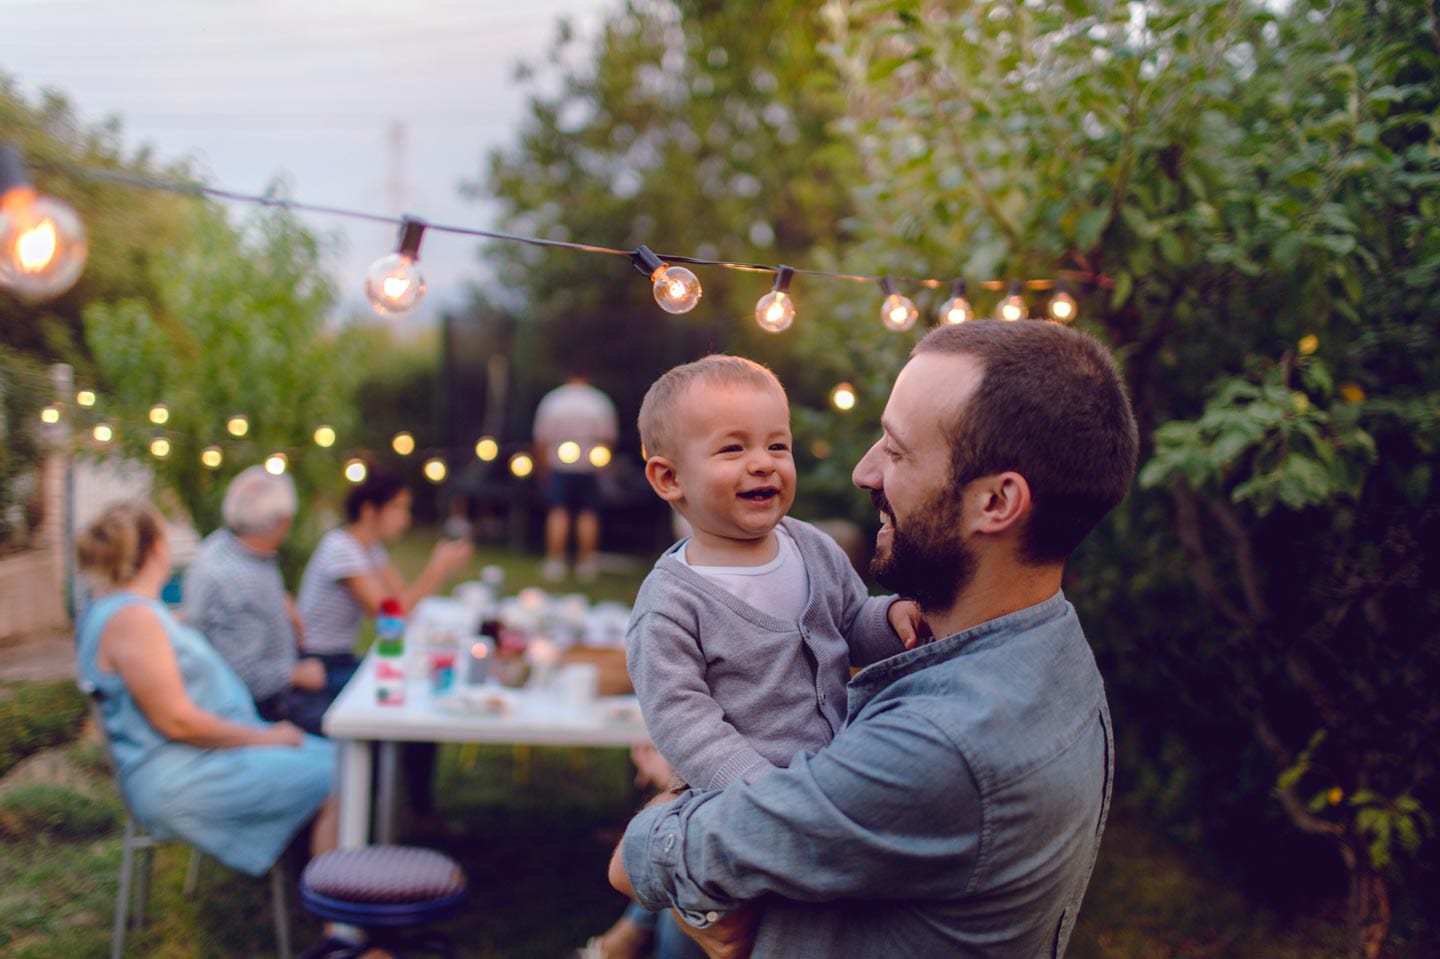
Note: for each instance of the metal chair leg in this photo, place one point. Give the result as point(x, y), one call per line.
point(122, 897)
point(277, 905)
point(192, 873)
point(145, 862)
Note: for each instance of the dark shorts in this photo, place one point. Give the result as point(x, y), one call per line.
point(576, 492)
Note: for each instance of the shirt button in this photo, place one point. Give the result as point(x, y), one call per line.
point(712, 916)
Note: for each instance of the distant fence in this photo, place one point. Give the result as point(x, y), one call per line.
point(32, 596)
point(32, 582)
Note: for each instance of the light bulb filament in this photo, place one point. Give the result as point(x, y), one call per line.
point(36, 246)
point(395, 286)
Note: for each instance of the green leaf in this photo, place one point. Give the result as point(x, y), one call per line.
point(1088, 227)
point(1124, 284)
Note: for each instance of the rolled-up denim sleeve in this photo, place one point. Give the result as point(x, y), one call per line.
point(888, 810)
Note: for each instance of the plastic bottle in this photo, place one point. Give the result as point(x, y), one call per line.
point(390, 654)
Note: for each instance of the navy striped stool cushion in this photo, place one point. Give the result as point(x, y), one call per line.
point(384, 874)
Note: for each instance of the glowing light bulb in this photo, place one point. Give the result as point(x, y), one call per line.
point(897, 312)
point(159, 414)
point(486, 449)
point(50, 414)
point(435, 470)
point(1013, 307)
point(85, 398)
point(842, 397)
point(102, 433)
point(599, 456)
point(238, 425)
point(394, 284)
point(211, 457)
point(324, 437)
point(42, 241)
point(403, 443)
point(1063, 307)
point(355, 471)
point(776, 310)
point(676, 289)
point(159, 447)
point(521, 465)
point(276, 463)
point(957, 309)
point(568, 452)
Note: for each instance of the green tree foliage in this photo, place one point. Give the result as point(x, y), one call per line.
point(121, 224)
point(1245, 195)
point(126, 227)
point(696, 128)
point(235, 325)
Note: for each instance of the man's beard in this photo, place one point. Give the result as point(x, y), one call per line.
point(927, 561)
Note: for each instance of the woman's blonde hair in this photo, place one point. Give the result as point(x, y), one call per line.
point(116, 543)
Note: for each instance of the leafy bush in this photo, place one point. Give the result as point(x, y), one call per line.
point(36, 716)
point(32, 809)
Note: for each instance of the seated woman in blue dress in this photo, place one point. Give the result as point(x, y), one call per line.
point(195, 760)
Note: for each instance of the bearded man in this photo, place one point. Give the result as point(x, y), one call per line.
point(959, 810)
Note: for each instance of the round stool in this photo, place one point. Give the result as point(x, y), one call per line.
point(385, 890)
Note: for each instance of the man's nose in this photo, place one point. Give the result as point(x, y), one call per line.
point(865, 475)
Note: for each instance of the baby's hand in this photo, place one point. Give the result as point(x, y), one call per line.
point(908, 622)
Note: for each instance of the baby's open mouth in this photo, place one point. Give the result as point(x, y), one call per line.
point(760, 495)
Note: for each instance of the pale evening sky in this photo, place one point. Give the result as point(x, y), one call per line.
point(307, 90)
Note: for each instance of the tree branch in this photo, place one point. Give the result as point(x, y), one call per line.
point(972, 174)
point(1249, 569)
point(1192, 540)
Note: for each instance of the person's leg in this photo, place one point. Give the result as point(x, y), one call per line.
point(557, 532)
point(587, 538)
point(419, 762)
point(325, 829)
point(671, 942)
point(628, 938)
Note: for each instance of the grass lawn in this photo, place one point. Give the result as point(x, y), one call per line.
point(533, 829)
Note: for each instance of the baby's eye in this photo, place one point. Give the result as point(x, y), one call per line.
point(731, 448)
point(780, 447)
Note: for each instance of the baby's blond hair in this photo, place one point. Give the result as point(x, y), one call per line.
point(657, 410)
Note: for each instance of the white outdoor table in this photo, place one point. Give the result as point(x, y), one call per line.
point(355, 720)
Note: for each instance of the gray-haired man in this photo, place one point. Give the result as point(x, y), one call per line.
point(234, 593)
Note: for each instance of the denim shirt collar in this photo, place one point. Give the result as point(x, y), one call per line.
point(874, 678)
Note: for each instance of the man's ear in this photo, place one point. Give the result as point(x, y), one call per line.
point(1003, 501)
point(664, 479)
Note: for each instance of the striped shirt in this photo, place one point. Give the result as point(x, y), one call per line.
point(236, 597)
point(330, 612)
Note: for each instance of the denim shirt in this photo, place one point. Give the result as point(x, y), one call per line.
point(957, 813)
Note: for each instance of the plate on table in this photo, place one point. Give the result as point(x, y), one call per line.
point(620, 709)
point(479, 700)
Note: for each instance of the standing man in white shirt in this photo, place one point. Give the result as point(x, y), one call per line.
point(575, 431)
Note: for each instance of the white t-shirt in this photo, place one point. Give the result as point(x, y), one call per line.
point(779, 587)
point(575, 412)
point(330, 612)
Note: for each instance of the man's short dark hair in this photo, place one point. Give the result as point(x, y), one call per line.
point(379, 487)
point(1052, 407)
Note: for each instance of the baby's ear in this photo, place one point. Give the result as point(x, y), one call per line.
point(664, 480)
